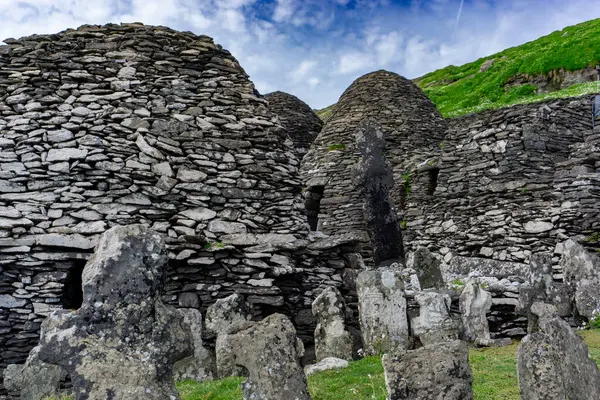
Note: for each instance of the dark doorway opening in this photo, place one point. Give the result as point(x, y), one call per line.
point(312, 204)
point(73, 289)
point(433, 180)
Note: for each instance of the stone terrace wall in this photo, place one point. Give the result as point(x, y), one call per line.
point(123, 124)
point(413, 128)
point(299, 121)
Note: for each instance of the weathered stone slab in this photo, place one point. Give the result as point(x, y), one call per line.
point(332, 338)
point(554, 363)
point(438, 371)
point(582, 274)
point(382, 311)
point(123, 340)
point(270, 351)
point(375, 179)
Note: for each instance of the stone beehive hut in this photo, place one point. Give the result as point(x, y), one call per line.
point(123, 124)
point(413, 128)
point(298, 120)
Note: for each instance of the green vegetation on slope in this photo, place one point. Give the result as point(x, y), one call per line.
point(494, 378)
point(464, 89)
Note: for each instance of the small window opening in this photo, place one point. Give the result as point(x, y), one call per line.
point(433, 180)
point(73, 289)
point(312, 204)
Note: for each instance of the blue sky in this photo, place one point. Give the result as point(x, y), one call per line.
point(314, 49)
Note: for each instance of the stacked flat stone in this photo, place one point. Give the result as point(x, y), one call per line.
point(497, 193)
point(299, 121)
point(121, 124)
point(413, 129)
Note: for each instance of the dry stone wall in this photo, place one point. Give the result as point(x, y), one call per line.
point(412, 126)
point(121, 124)
point(298, 120)
point(512, 182)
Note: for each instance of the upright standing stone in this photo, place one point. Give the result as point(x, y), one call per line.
point(438, 371)
point(474, 303)
point(226, 312)
point(382, 311)
point(332, 338)
point(434, 323)
point(554, 363)
point(375, 178)
point(220, 316)
point(582, 273)
point(201, 365)
point(35, 379)
point(270, 351)
point(123, 341)
point(427, 269)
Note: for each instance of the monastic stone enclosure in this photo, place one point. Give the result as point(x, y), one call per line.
point(298, 120)
point(122, 124)
point(413, 129)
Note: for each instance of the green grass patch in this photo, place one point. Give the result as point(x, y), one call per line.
point(494, 377)
point(224, 389)
point(334, 147)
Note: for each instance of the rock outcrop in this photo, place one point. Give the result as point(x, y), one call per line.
point(554, 363)
point(298, 120)
point(332, 336)
point(270, 351)
point(438, 371)
point(123, 340)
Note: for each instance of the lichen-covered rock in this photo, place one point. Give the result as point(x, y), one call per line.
point(427, 268)
point(554, 363)
point(298, 120)
point(375, 180)
point(201, 365)
point(123, 341)
point(439, 371)
point(382, 310)
point(582, 273)
point(474, 303)
point(434, 323)
point(270, 351)
point(221, 316)
point(226, 312)
point(325, 364)
point(35, 379)
point(332, 338)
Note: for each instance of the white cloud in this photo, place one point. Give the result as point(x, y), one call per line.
point(315, 48)
point(353, 62)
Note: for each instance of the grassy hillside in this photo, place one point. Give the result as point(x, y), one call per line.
point(494, 378)
point(464, 89)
